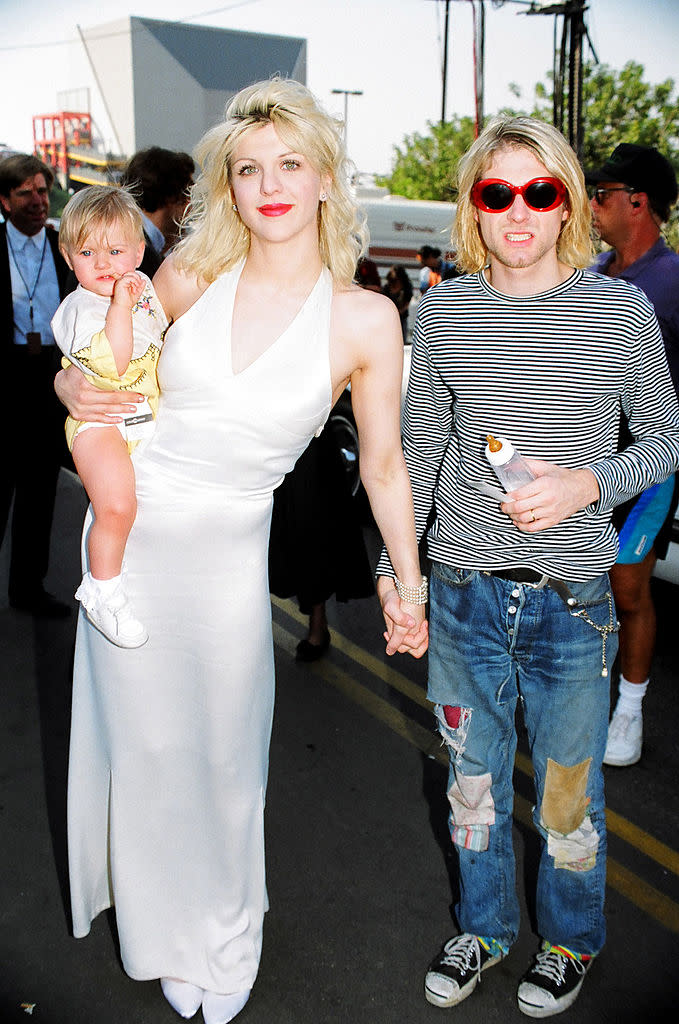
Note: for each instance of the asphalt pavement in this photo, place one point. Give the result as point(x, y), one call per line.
point(360, 873)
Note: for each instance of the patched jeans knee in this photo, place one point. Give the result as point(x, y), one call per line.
point(494, 642)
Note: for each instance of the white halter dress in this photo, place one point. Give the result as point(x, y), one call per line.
point(170, 742)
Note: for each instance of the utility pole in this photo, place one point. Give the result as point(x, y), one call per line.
point(572, 35)
point(444, 72)
point(347, 93)
point(445, 64)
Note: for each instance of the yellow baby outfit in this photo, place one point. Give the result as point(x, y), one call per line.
point(79, 333)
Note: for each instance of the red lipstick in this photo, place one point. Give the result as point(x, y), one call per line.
point(275, 209)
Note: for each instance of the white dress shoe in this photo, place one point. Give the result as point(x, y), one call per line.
point(182, 996)
point(220, 1009)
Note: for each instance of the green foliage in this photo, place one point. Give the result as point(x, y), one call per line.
point(425, 165)
point(618, 106)
point(58, 200)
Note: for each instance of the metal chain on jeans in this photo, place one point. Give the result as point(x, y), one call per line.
point(612, 627)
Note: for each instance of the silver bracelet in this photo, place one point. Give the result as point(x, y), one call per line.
point(412, 595)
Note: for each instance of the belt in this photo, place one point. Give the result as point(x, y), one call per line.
point(534, 579)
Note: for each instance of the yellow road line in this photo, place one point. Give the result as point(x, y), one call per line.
point(636, 890)
point(647, 844)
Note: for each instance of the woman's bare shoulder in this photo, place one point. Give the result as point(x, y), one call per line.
point(176, 289)
point(371, 309)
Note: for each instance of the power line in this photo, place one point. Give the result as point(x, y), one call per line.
point(123, 32)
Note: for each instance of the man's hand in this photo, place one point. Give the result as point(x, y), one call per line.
point(555, 495)
point(407, 629)
point(127, 289)
point(84, 401)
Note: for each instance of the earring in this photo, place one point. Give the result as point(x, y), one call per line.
point(323, 196)
point(234, 207)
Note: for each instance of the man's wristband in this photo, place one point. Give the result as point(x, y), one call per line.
point(412, 595)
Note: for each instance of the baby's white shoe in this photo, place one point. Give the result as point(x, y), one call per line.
point(108, 609)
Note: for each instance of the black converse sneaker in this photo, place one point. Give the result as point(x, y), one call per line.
point(553, 982)
point(456, 971)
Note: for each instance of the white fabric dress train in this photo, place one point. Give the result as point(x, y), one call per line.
point(170, 743)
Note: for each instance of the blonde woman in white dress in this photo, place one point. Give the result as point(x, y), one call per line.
point(170, 742)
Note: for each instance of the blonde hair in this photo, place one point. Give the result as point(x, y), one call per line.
point(216, 238)
point(94, 211)
point(574, 245)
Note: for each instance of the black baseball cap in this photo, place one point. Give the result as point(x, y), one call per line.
point(641, 167)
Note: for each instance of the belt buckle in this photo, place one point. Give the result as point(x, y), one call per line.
point(541, 584)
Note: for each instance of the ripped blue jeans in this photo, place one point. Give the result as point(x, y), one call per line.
point(493, 642)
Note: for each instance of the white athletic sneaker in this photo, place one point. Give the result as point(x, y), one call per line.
point(625, 734)
point(111, 614)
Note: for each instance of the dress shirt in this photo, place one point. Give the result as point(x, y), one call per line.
point(154, 234)
point(25, 254)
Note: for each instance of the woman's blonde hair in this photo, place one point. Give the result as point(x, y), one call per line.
point(215, 238)
point(94, 211)
point(574, 245)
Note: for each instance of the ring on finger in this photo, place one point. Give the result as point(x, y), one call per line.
point(533, 517)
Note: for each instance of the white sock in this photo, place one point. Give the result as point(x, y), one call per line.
point(106, 587)
point(630, 697)
point(182, 996)
point(220, 1009)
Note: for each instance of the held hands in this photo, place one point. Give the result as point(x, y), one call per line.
point(127, 289)
point(407, 629)
point(556, 494)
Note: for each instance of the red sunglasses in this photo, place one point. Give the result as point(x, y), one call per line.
point(492, 195)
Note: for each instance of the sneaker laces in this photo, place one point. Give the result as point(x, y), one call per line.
point(459, 951)
point(552, 964)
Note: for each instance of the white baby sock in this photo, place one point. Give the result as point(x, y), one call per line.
point(106, 587)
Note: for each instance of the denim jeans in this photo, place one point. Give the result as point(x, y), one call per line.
point(492, 642)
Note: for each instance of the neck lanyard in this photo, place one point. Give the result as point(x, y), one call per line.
point(30, 292)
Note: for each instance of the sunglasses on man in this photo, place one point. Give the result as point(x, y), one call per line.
point(599, 194)
point(493, 195)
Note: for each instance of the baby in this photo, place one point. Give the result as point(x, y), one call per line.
point(111, 327)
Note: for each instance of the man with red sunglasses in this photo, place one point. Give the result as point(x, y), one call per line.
point(633, 193)
point(530, 346)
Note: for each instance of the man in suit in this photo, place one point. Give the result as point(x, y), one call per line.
point(33, 281)
point(160, 180)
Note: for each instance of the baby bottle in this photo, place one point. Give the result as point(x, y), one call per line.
point(510, 468)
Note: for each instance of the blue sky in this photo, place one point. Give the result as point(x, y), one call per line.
point(390, 49)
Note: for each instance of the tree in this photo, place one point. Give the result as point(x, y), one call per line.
point(425, 165)
point(618, 106)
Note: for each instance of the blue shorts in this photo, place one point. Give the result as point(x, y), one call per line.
point(644, 521)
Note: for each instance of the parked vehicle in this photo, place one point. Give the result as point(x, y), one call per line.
point(343, 426)
point(399, 227)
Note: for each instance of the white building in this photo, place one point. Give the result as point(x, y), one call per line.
point(165, 83)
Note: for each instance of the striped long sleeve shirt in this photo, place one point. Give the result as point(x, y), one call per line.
point(551, 372)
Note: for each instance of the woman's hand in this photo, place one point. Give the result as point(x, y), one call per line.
point(407, 629)
point(86, 402)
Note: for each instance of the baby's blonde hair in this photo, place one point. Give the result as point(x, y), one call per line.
point(94, 211)
point(215, 237)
